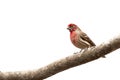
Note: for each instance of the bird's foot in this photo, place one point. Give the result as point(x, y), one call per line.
point(75, 52)
point(82, 50)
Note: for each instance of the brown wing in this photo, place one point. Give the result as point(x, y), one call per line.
point(87, 39)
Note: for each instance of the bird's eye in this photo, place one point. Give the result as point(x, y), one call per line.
point(71, 26)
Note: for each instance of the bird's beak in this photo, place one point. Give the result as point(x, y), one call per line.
point(68, 28)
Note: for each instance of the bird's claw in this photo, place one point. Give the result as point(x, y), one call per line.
point(82, 50)
point(75, 52)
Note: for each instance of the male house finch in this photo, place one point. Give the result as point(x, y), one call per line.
point(79, 38)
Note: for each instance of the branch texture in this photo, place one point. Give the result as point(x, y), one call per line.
point(83, 57)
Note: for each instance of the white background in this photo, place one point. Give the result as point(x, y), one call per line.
point(33, 34)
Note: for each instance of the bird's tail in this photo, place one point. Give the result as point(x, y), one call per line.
point(103, 57)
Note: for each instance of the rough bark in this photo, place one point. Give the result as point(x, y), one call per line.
point(79, 58)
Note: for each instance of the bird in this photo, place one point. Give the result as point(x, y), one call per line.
point(78, 38)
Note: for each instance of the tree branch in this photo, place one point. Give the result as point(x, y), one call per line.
point(83, 57)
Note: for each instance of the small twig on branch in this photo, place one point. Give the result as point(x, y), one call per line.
point(65, 63)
